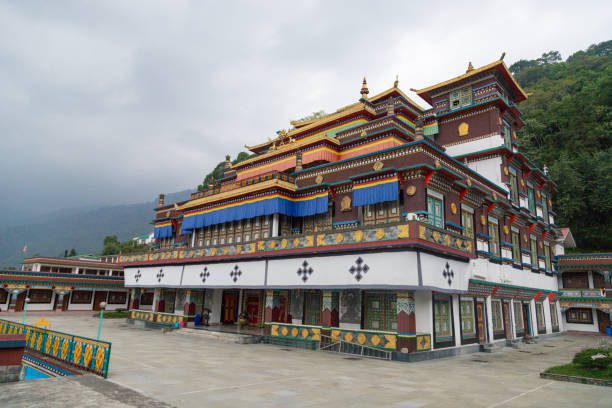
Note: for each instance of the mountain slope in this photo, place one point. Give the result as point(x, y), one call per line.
point(83, 229)
point(568, 128)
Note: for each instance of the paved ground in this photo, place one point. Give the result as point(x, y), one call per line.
point(191, 371)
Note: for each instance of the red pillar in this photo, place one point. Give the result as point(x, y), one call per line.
point(406, 322)
point(326, 309)
point(269, 306)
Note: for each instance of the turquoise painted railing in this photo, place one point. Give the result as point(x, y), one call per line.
point(81, 352)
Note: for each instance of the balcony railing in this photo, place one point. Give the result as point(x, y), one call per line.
point(583, 293)
point(221, 188)
point(409, 232)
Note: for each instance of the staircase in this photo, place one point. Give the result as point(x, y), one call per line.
point(223, 337)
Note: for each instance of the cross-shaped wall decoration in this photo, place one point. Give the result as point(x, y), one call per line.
point(448, 274)
point(305, 271)
point(359, 269)
point(138, 275)
point(160, 275)
point(235, 273)
point(204, 274)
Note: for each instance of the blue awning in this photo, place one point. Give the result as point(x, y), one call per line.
point(163, 231)
point(255, 208)
point(376, 191)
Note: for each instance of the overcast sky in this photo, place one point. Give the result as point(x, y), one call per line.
point(116, 101)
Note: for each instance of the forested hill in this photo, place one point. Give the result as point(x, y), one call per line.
point(567, 128)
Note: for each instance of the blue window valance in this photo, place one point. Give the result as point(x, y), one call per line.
point(163, 231)
point(276, 204)
point(376, 191)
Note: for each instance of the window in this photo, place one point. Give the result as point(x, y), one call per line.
point(540, 318)
point(575, 280)
point(545, 207)
point(443, 320)
point(460, 97)
point(554, 318)
point(380, 311)
point(531, 198)
point(435, 210)
point(507, 134)
point(468, 325)
point(81, 297)
point(40, 295)
point(516, 247)
point(494, 240)
point(467, 222)
point(498, 321)
point(513, 187)
point(312, 308)
point(579, 315)
point(117, 298)
point(547, 256)
point(146, 299)
point(518, 319)
point(534, 252)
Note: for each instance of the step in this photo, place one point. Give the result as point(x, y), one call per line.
point(491, 348)
point(221, 336)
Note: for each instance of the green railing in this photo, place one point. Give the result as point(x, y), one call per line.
point(82, 352)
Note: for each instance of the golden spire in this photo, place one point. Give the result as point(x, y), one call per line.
point(396, 83)
point(364, 89)
point(502, 56)
point(470, 67)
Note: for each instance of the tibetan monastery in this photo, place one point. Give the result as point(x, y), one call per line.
point(383, 224)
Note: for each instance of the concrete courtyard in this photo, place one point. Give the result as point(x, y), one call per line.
point(194, 371)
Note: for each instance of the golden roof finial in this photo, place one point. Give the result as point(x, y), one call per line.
point(364, 89)
point(470, 67)
point(502, 56)
point(396, 83)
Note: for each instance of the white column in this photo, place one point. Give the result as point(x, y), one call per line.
point(512, 320)
point(590, 275)
point(456, 319)
point(534, 320)
point(193, 237)
point(240, 295)
point(560, 317)
point(489, 319)
point(547, 317)
point(275, 225)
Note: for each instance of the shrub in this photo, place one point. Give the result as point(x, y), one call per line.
point(593, 358)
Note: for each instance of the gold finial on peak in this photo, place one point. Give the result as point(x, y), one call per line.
point(470, 67)
point(364, 89)
point(396, 83)
point(502, 56)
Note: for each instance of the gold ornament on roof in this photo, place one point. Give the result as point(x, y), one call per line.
point(319, 179)
point(453, 208)
point(469, 68)
point(378, 165)
point(463, 129)
point(364, 89)
point(345, 203)
point(396, 83)
point(437, 163)
point(410, 190)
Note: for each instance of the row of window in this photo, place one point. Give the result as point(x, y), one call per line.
point(435, 209)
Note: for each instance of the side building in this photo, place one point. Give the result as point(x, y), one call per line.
point(62, 284)
point(586, 292)
point(382, 224)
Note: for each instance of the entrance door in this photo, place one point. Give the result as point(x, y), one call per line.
point(65, 302)
point(279, 312)
point(507, 324)
point(99, 296)
point(253, 308)
point(480, 322)
point(527, 319)
point(229, 307)
point(19, 301)
point(604, 320)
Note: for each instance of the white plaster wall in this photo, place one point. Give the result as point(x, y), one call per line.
point(386, 270)
point(490, 169)
point(148, 276)
point(432, 268)
point(594, 327)
point(476, 145)
point(482, 269)
point(253, 274)
point(423, 312)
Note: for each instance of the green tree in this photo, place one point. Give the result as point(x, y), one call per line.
point(568, 121)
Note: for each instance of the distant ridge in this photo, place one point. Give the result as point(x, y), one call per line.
point(79, 228)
